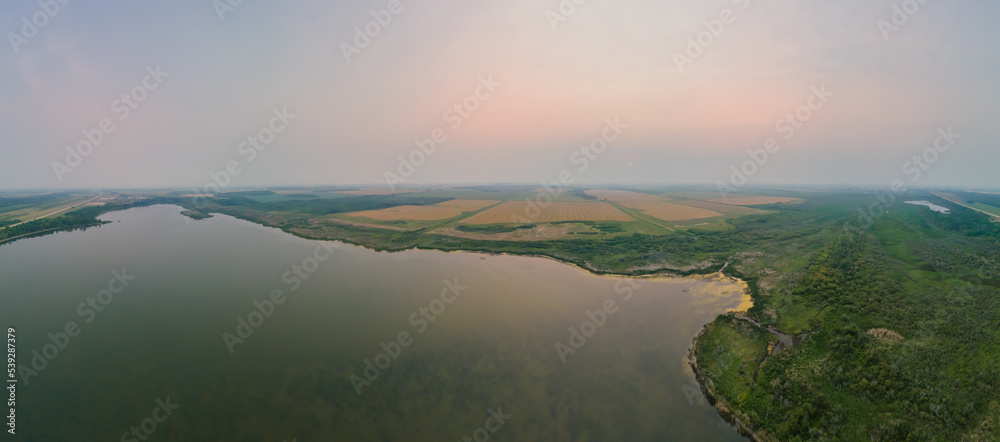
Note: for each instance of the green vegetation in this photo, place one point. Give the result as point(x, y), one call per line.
point(731, 352)
point(581, 193)
point(10, 204)
point(602, 226)
point(268, 196)
point(984, 198)
point(493, 228)
point(899, 317)
point(26, 206)
point(195, 215)
point(480, 192)
point(628, 252)
point(902, 321)
point(74, 219)
point(986, 208)
point(320, 206)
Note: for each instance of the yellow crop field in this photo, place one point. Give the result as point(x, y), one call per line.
point(754, 200)
point(522, 211)
point(416, 213)
point(670, 211)
point(445, 210)
point(623, 195)
point(468, 205)
point(721, 208)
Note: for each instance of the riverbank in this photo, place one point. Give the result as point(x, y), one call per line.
point(704, 269)
point(495, 344)
point(705, 272)
point(48, 231)
point(817, 268)
point(721, 405)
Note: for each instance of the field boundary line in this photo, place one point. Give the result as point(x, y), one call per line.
point(59, 211)
point(994, 217)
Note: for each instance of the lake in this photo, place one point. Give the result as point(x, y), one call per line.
point(224, 330)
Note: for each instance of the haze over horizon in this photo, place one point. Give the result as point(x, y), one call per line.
point(548, 82)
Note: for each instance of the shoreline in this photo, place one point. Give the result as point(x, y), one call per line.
point(724, 408)
point(703, 274)
point(52, 230)
point(721, 406)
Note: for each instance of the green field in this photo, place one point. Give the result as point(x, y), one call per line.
point(985, 208)
point(24, 206)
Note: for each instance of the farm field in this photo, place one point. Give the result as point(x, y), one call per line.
point(34, 206)
point(693, 192)
point(513, 211)
point(724, 209)
point(987, 208)
point(440, 211)
point(623, 195)
point(542, 232)
point(754, 200)
point(984, 202)
point(668, 211)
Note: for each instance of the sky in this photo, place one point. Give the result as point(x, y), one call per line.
point(849, 91)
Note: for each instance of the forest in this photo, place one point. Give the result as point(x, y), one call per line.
point(902, 343)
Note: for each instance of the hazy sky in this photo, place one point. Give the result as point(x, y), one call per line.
point(560, 77)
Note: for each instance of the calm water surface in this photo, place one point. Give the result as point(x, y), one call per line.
point(492, 348)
